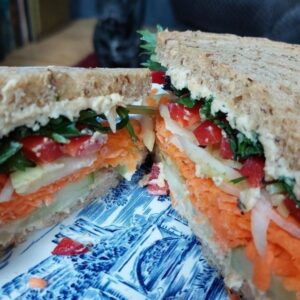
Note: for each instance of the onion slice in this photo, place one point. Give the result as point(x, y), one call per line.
point(6, 192)
point(289, 227)
point(261, 215)
point(148, 134)
point(111, 116)
point(260, 220)
point(230, 188)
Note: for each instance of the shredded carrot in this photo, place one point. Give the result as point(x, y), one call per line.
point(152, 101)
point(233, 228)
point(37, 283)
point(119, 149)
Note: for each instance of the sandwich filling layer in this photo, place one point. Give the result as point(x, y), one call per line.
point(38, 170)
point(242, 213)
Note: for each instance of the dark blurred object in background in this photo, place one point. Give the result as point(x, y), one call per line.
point(7, 42)
point(275, 19)
point(115, 39)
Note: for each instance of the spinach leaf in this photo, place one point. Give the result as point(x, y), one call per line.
point(288, 186)
point(8, 149)
point(15, 163)
point(206, 108)
point(187, 102)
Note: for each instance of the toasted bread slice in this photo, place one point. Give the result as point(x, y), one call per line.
point(31, 95)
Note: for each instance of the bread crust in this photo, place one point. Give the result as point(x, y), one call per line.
point(33, 94)
point(255, 80)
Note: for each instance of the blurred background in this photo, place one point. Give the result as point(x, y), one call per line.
point(92, 33)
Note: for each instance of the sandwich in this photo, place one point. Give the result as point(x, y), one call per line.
point(65, 138)
point(229, 142)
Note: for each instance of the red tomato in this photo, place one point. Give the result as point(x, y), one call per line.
point(158, 77)
point(253, 169)
point(3, 179)
point(208, 133)
point(153, 188)
point(69, 247)
point(293, 209)
point(41, 149)
point(183, 115)
point(82, 145)
point(225, 149)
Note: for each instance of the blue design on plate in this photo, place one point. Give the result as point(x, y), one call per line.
point(142, 249)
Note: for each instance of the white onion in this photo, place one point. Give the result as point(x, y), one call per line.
point(148, 134)
point(7, 191)
point(229, 188)
point(260, 219)
point(111, 118)
point(261, 215)
point(291, 228)
point(173, 127)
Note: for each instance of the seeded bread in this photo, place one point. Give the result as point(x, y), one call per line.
point(30, 95)
point(254, 80)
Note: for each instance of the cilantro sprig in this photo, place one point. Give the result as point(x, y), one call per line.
point(148, 46)
point(288, 186)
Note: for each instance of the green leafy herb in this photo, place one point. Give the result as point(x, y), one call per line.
point(149, 45)
point(238, 180)
point(247, 147)
point(8, 149)
point(131, 131)
point(15, 163)
point(93, 121)
point(59, 138)
point(187, 102)
point(288, 186)
point(206, 108)
point(61, 126)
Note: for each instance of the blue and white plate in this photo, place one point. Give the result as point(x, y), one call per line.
point(142, 249)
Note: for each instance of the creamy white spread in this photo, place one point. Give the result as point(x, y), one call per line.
point(34, 116)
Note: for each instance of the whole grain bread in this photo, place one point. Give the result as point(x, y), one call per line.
point(255, 80)
point(30, 95)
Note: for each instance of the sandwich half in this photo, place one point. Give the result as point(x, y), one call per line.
point(65, 136)
point(229, 140)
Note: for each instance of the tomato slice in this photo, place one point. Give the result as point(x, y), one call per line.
point(158, 77)
point(41, 149)
point(208, 133)
point(152, 187)
point(253, 169)
point(225, 149)
point(82, 145)
point(69, 247)
point(293, 209)
point(184, 116)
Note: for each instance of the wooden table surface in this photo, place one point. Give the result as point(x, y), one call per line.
point(65, 47)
